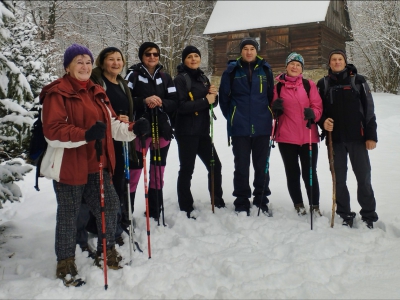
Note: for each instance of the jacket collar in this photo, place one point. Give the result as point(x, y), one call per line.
point(69, 89)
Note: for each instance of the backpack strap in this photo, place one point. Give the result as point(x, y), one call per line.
point(307, 87)
point(278, 88)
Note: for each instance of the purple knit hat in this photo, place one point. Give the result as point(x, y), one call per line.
point(74, 50)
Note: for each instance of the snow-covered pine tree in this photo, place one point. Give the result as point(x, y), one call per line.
point(14, 118)
point(15, 93)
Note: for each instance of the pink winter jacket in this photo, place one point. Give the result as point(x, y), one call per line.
point(291, 127)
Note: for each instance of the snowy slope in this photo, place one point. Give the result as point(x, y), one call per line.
point(221, 255)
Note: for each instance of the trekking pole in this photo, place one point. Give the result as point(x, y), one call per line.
point(158, 150)
point(212, 161)
point(332, 167)
point(99, 151)
point(311, 178)
point(154, 142)
point(271, 139)
point(146, 194)
point(127, 177)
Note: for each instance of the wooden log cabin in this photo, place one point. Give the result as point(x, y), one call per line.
point(311, 28)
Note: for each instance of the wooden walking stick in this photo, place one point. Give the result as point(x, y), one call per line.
point(332, 167)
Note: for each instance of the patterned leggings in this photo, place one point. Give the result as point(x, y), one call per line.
point(69, 200)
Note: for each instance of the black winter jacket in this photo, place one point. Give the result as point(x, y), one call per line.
point(193, 117)
point(146, 85)
point(352, 111)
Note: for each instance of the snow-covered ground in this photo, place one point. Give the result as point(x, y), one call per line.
point(223, 255)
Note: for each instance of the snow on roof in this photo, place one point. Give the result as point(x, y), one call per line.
point(240, 15)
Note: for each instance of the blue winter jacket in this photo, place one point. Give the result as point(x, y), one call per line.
point(244, 103)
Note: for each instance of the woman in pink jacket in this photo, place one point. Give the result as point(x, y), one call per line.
point(296, 102)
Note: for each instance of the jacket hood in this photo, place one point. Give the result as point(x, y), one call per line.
point(181, 68)
point(259, 61)
point(350, 68)
point(141, 68)
point(48, 88)
point(64, 87)
point(281, 78)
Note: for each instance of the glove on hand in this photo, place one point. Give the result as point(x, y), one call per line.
point(308, 114)
point(141, 127)
point(277, 107)
point(96, 132)
point(164, 126)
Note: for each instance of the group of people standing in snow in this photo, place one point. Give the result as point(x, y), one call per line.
point(91, 115)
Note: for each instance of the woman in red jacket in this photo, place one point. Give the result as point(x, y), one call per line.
point(76, 113)
point(294, 107)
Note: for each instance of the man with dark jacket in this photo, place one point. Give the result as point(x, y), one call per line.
point(348, 112)
point(245, 94)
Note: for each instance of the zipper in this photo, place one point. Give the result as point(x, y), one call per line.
point(233, 114)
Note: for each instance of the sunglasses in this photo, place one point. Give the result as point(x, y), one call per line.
point(148, 54)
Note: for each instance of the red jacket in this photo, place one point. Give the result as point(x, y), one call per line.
point(68, 111)
point(291, 127)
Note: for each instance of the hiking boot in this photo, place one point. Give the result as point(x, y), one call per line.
point(113, 259)
point(316, 211)
point(348, 223)
point(242, 204)
point(368, 223)
point(194, 214)
point(67, 272)
point(301, 210)
point(90, 252)
point(153, 215)
point(219, 203)
point(348, 219)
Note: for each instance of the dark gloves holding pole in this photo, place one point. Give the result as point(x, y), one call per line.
point(141, 127)
point(96, 132)
point(277, 108)
point(309, 115)
point(164, 126)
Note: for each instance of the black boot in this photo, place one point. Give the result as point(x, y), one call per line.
point(155, 198)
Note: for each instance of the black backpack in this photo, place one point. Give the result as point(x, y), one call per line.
point(204, 78)
point(37, 146)
point(306, 85)
point(352, 85)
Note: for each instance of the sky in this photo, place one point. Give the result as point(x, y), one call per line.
point(224, 255)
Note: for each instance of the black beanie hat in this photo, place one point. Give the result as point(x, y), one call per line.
point(338, 51)
point(248, 41)
point(188, 50)
point(146, 45)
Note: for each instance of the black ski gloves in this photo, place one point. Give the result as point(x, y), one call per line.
point(308, 114)
point(96, 132)
point(164, 126)
point(141, 127)
point(277, 107)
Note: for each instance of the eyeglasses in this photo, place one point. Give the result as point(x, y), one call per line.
point(148, 54)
